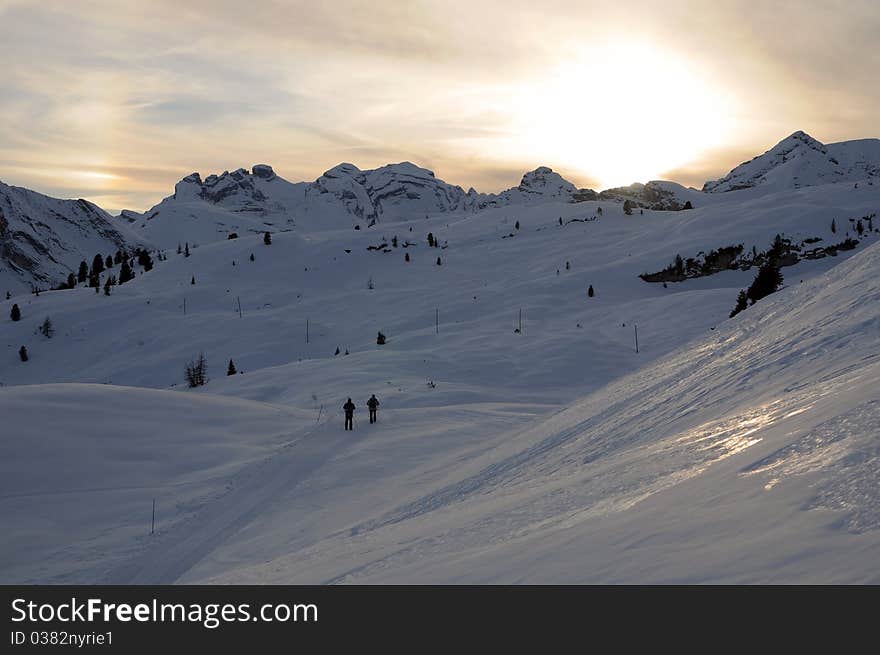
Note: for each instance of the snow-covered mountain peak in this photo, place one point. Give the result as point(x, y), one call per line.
point(391, 191)
point(798, 139)
point(800, 160)
point(340, 170)
point(404, 168)
point(544, 181)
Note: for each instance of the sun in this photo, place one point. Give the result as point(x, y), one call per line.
point(621, 113)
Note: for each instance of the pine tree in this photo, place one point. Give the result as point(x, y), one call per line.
point(337, 351)
point(776, 250)
point(46, 328)
point(516, 225)
point(688, 205)
point(231, 370)
point(179, 249)
point(833, 226)
point(567, 266)
point(767, 280)
point(394, 241)
point(196, 372)
point(430, 239)
point(406, 257)
point(83, 273)
point(560, 220)
point(590, 291)
point(108, 262)
point(742, 301)
point(252, 257)
point(186, 250)
point(107, 286)
point(97, 265)
point(94, 280)
point(23, 353)
point(439, 263)
point(627, 207)
point(71, 281)
point(267, 239)
point(193, 280)
point(15, 314)
point(118, 258)
point(860, 227)
point(145, 260)
point(380, 340)
point(125, 273)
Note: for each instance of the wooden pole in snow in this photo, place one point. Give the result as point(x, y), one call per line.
point(307, 330)
point(437, 320)
point(184, 306)
point(153, 522)
point(238, 298)
point(637, 337)
point(520, 320)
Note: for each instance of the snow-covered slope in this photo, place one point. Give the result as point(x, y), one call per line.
point(470, 411)
point(800, 160)
point(723, 450)
point(90, 466)
point(750, 455)
point(43, 239)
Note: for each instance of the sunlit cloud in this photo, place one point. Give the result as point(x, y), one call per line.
point(118, 100)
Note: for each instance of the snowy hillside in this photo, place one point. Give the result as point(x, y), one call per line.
point(522, 436)
point(800, 160)
point(500, 455)
point(750, 455)
point(44, 239)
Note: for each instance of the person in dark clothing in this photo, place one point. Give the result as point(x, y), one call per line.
point(349, 414)
point(373, 405)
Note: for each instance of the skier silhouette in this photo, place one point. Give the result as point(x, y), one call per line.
point(349, 414)
point(373, 404)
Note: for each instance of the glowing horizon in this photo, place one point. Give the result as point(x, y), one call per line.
point(116, 101)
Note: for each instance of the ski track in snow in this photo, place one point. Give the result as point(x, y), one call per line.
point(251, 490)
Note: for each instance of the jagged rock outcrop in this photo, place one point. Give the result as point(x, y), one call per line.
point(394, 191)
point(656, 195)
point(242, 201)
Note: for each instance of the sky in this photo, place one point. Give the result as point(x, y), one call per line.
point(116, 100)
